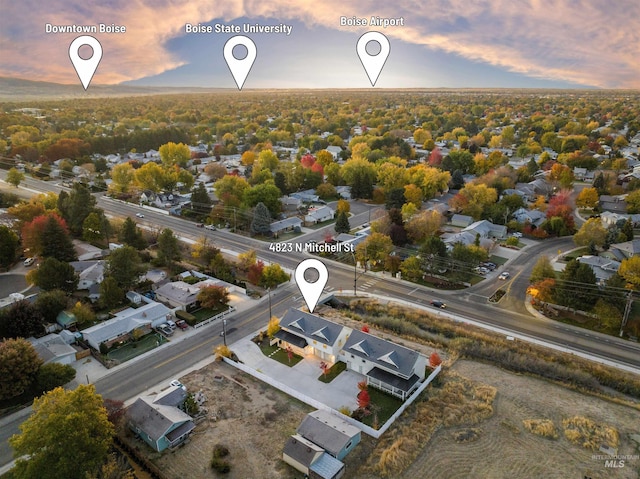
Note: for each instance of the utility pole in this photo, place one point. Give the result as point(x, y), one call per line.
point(627, 310)
point(269, 291)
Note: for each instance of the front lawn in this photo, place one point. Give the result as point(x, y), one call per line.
point(333, 372)
point(132, 349)
point(384, 406)
point(279, 354)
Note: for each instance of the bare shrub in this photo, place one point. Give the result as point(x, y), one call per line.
point(589, 434)
point(541, 427)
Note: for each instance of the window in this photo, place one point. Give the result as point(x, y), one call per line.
point(348, 445)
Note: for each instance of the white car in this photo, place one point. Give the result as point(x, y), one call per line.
point(517, 234)
point(210, 227)
point(504, 275)
point(177, 384)
point(29, 261)
point(139, 215)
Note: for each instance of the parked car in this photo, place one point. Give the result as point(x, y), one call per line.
point(199, 225)
point(29, 261)
point(517, 234)
point(139, 215)
point(164, 329)
point(182, 324)
point(177, 384)
point(438, 303)
point(171, 324)
point(504, 275)
point(489, 265)
point(210, 227)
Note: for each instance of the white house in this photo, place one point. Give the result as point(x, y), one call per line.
point(386, 365)
point(89, 273)
point(310, 334)
point(118, 328)
point(318, 215)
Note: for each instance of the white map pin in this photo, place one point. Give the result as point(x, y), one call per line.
point(373, 63)
point(311, 291)
point(85, 68)
point(240, 68)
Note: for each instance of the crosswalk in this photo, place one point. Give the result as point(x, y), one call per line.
point(367, 284)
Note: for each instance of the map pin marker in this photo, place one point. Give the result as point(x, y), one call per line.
point(85, 68)
point(311, 291)
point(240, 68)
point(373, 63)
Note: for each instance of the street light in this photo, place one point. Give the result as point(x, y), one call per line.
point(224, 331)
point(269, 292)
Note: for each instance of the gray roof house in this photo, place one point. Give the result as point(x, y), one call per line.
point(627, 249)
point(386, 365)
point(112, 330)
point(287, 224)
point(158, 422)
point(318, 215)
point(486, 229)
point(89, 273)
point(615, 204)
point(311, 460)
point(53, 349)
point(462, 221)
point(533, 217)
point(603, 268)
point(333, 434)
point(180, 294)
point(311, 334)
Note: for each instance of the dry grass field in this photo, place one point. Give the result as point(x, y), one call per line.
point(504, 448)
point(496, 425)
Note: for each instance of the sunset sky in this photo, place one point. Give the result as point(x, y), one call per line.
point(444, 43)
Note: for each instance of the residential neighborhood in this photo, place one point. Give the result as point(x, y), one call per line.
point(481, 286)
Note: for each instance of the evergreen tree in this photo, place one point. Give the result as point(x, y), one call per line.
point(168, 248)
point(75, 209)
point(53, 274)
point(342, 223)
point(124, 266)
point(8, 246)
point(56, 242)
point(200, 200)
point(395, 198)
point(577, 289)
point(131, 235)
point(457, 180)
point(261, 220)
point(627, 229)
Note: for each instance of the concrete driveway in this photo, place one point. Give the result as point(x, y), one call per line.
point(303, 377)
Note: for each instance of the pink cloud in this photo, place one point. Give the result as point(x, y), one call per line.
point(581, 41)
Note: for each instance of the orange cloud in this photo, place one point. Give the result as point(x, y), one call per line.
point(580, 41)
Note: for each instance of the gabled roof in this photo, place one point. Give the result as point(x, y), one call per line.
point(125, 321)
point(302, 450)
point(327, 431)
point(385, 354)
point(310, 326)
point(156, 419)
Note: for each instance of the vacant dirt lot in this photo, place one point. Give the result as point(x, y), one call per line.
point(252, 419)
point(505, 449)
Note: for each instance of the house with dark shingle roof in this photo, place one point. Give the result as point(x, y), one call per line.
point(333, 434)
point(310, 334)
point(158, 421)
point(386, 365)
point(311, 460)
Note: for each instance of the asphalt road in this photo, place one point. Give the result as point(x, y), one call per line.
point(170, 361)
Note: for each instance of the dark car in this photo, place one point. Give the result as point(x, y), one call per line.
point(182, 324)
point(199, 225)
point(437, 303)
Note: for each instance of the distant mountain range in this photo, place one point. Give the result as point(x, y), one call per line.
point(17, 89)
